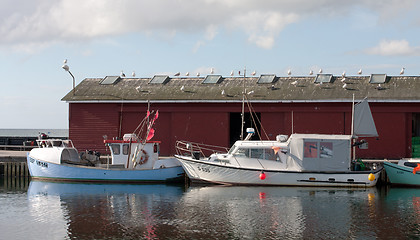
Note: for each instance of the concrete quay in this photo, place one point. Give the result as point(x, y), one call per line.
point(13, 156)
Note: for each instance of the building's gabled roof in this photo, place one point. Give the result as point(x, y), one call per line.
point(284, 89)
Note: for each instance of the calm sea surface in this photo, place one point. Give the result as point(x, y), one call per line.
point(44, 210)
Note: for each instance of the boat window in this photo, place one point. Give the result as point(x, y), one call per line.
point(125, 149)
point(269, 154)
point(243, 152)
point(326, 150)
point(310, 150)
point(115, 149)
point(257, 153)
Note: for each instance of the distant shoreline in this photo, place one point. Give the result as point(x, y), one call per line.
point(10, 132)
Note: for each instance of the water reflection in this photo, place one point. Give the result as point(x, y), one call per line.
point(102, 211)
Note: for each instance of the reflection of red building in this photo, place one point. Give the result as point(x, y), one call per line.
point(208, 110)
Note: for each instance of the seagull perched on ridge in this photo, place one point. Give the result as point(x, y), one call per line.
point(343, 74)
point(311, 72)
point(122, 74)
point(133, 74)
point(402, 71)
point(359, 72)
point(198, 74)
point(289, 72)
point(187, 74)
point(231, 73)
point(211, 70)
point(177, 74)
point(320, 70)
point(253, 73)
point(182, 88)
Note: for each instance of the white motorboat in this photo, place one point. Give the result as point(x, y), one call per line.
point(298, 160)
point(132, 160)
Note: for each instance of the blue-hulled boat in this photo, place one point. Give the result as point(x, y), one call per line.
point(405, 172)
point(133, 160)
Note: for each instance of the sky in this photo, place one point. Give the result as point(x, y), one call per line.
point(102, 38)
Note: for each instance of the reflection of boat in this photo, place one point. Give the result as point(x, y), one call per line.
point(261, 212)
point(133, 160)
point(300, 160)
point(98, 210)
point(405, 172)
point(45, 188)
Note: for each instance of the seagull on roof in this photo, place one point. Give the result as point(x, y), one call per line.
point(223, 92)
point(187, 74)
point(379, 87)
point(320, 70)
point(294, 82)
point(138, 88)
point(253, 73)
point(198, 74)
point(344, 79)
point(182, 88)
point(311, 72)
point(359, 72)
point(345, 86)
point(177, 74)
point(65, 61)
point(251, 92)
point(343, 74)
point(133, 74)
point(122, 74)
point(211, 70)
point(289, 72)
point(402, 71)
point(231, 73)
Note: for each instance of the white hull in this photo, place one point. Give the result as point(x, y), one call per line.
point(202, 171)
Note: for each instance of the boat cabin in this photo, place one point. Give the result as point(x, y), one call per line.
point(300, 152)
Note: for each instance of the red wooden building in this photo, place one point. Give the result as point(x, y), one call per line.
point(208, 109)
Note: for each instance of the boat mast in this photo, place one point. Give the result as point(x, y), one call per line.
point(352, 129)
point(243, 108)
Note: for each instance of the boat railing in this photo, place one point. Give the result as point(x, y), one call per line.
point(43, 143)
point(197, 150)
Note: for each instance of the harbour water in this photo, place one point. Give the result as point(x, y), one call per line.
point(47, 210)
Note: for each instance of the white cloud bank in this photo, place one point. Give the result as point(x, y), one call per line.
point(394, 48)
point(43, 22)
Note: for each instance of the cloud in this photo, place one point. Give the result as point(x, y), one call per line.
point(45, 22)
point(394, 48)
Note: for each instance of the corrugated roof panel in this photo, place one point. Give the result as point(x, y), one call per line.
point(159, 79)
point(377, 78)
point(267, 78)
point(108, 80)
point(323, 78)
point(213, 79)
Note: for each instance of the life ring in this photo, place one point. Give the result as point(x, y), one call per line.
point(144, 157)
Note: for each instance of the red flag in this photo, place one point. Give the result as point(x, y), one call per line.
point(156, 115)
point(416, 168)
point(151, 134)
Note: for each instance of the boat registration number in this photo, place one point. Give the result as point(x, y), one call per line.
point(203, 169)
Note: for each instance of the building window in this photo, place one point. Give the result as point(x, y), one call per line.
point(310, 150)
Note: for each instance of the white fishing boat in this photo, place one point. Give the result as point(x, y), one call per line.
point(132, 160)
point(298, 160)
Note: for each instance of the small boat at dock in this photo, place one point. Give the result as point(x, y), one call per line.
point(133, 160)
point(406, 172)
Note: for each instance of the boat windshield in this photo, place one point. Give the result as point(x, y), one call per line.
point(258, 153)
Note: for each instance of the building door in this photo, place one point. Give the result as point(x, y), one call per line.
point(235, 125)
